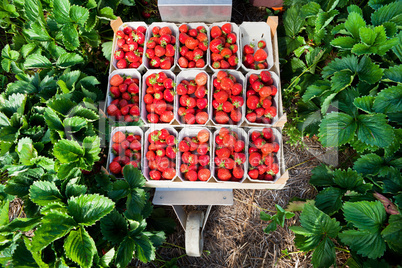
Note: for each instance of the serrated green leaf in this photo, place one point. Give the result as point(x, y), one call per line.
point(310, 9)
point(33, 9)
point(22, 257)
point(351, 180)
point(144, 250)
point(346, 63)
point(353, 23)
point(79, 14)
point(327, 102)
point(62, 104)
point(27, 49)
point(10, 54)
point(367, 35)
point(133, 176)
point(293, 21)
point(271, 227)
point(337, 129)
point(386, 13)
point(37, 61)
point(316, 90)
point(329, 200)
point(107, 49)
point(37, 33)
point(341, 80)
point(54, 226)
point(87, 209)
point(389, 101)
point(322, 176)
point(368, 71)
point(136, 201)
point(364, 103)
point(53, 208)
point(61, 11)
point(26, 151)
point(366, 216)
point(80, 247)
point(374, 130)
point(125, 252)
point(67, 151)
point(264, 216)
point(368, 164)
point(86, 113)
point(114, 227)
point(75, 190)
point(92, 149)
point(53, 120)
point(376, 4)
point(344, 42)
point(106, 13)
point(364, 242)
point(69, 59)
point(324, 254)
point(74, 124)
point(44, 192)
point(356, 9)
point(392, 234)
point(121, 189)
point(393, 74)
point(107, 258)
point(70, 36)
point(21, 224)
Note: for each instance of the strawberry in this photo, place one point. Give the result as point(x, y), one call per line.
point(266, 103)
point(253, 78)
point(116, 80)
point(235, 115)
point(276, 147)
point(215, 32)
point(118, 137)
point(267, 133)
point(201, 79)
point(223, 153)
point(189, 118)
point(273, 169)
point(221, 117)
point(238, 172)
point(203, 136)
point(252, 102)
point(150, 155)
point(203, 160)
point(270, 112)
point(165, 64)
point(227, 28)
point(265, 77)
point(248, 49)
point(221, 96)
point(268, 160)
point(184, 146)
point(183, 28)
point(260, 55)
point(191, 175)
point(239, 158)
point(115, 168)
point(169, 173)
point(253, 173)
point(261, 44)
point(168, 95)
point(204, 174)
point(254, 159)
point(233, 60)
point(216, 46)
point(238, 101)
point(239, 146)
point(265, 92)
point(202, 149)
point(155, 175)
point(200, 92)
point(201, 118)
point(112, 110)
point(224, 174)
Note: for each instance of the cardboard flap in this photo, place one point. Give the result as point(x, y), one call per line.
point(281, 121)
point(115, 24)
point(272, 21)
point(283, 178)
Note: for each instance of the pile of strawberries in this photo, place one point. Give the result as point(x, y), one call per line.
point(227, 99)
point(194, 46)
point(127, 148)
point(257, 60)
point(193, 100)
point(223, 47)
point(195, 157)
point(125, 92)
point(229, 156)
point(261, 155)
point(130, 47)
point(161, 48)
point(260, 93)
point(161, 155)
point(159, 98)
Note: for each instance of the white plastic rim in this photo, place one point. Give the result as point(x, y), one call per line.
point(190, 75)
point(144, 112)
point(134, 24)
point(236, 30)
point(133, 73)
point(129, 129)
point(240, 79)
point(175, 32)
point(242, 136)
point(275, 102)
point(252, 32)
point(194, 25)
point(278, 139)
point(192, 132)
point(145, 168)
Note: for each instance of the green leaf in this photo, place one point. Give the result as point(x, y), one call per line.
point(54, 226)
point(364, 103)
point(70, 37)
point(125, 252)
point(264, 216)
point(374, 130)
point(356, 9)
point(10, 54)
point(53, 120)
point(310, 9)
point(293, 21)
point(21, 224)
point(37, 33)
point(44, 162)
point(376, 4)
point(22, 257)
point(92, 149)
point(121, 189)
point(107, 49)
point(79, 14)
point(316, 90)
point(327, 102)
point(386, 13)
point(341, 80)
point(26, 151)
point(87, 209)
point(61, 104)
point(392, 234)
point(80, 247)
point(133, 176)
point(337, 129)
point(367, 35)
point(27, 49)
point(354, 22)
point(329, 200)
point(344, 42)
point(368, 164)
point(74, 124)
point(75, 190)
point(37, 61)
point(366, 243)
point(67, 151)
point(322, 175)
point(324, 254)
point(136, 201)
point(393, 74)
point(351, 180)
point(61, 11)
point(33, 9)
point(88, 114)
point(144, 250)
point(339, 64)
point(366, 216)
point(69, 59)
point(389, 101)
point(44, 193)
point(107, 258)
point(106, 13)
point(114, 227)
point(368, 71)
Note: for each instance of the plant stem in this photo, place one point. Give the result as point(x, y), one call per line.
point(342, 249)
point(174, 245)
point(291, 84)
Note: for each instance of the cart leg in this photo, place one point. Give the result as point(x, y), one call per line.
point(194, 233)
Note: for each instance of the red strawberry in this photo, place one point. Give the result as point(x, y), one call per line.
point(266, 103)
point(251, 117)
point(221, 117)
point(254, 159)
point(224, 174)
point(184, 146)
point(204, 174)
point(260, 55)
point(169, 173)
point(261, 44)
point(252, 102)
point(153, 118)
point(118, 137)
point(191, 175)
point(235, 115)
point(215, 32)
point(248, 49)
point(112, 110)
point(168, 95)
point(115, 168)
point(273, 169)
point(238, 172)
point(221, 96)
point(227, 28)
point(267, 133)
point(203, 160)
point(171, 140)
point(268, 160)
point(253, 173)
point(239, 146)
point(270, 112)
point(201, 118)
point(238, 101)
point(265, 76)
point(155, 175)
point(203, 149)
point(223, 153)
point(200, 92)
point(239, 158)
